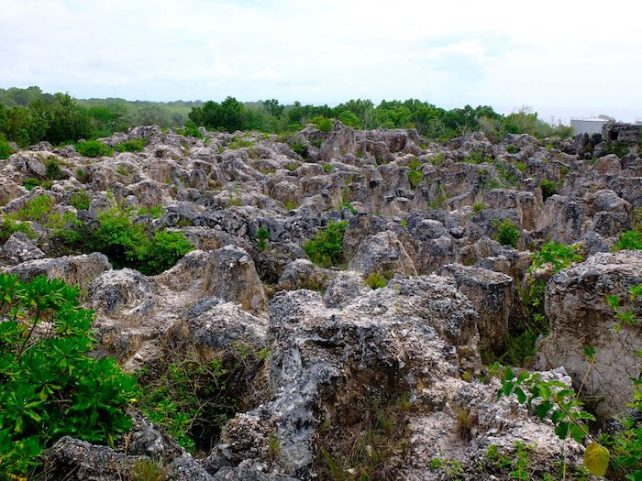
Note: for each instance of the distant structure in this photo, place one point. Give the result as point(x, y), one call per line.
point(622, 132)
point(590, 125)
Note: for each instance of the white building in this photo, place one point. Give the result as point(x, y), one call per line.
point(589, 126)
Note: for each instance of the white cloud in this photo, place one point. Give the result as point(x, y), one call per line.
point(556, 56)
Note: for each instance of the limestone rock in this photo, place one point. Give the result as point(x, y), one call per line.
point(580, 318)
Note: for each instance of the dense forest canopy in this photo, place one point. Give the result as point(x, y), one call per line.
point(29, 115)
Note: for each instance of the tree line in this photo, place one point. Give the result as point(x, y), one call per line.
point(28, 116)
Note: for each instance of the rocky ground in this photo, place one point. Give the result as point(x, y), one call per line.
point(401, 363)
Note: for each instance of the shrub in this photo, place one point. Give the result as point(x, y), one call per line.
point(36, 209)
point(558, 255)
point(323, 124)
point(125, 242)
point(507, 233)
point(549, 188)
point(262, 237)
point(80, 199)
point(54, 172)
point(512, 149)
point(49, 384)
point(31, 183)
point(155, 212)
point(414, 177)
point(478, 207)
point(164, 250)
point(5, 149)
point(326, 248)
point(191, 394)
point(629, 240)
point(376, 281)
point(132, 145)
point(93, 149)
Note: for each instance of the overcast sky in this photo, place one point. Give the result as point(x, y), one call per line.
point(561, 57)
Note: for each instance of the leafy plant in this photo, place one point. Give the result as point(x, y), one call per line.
point(629, 240)
point(478, 207)
point(131, 145)
point(624, 316)
point(507, 233)
point(262, 237)
point(555, 401)
point(191, 394)
point(155, 212)
point(326, 248)
point(548, 187)
point(80, 199)
point(49, 384)
point(5, 149)
point(93, 149)
point(557, 255)
point(376, 280)
point(126, 243)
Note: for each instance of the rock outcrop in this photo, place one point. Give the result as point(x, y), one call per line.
point(581, 317)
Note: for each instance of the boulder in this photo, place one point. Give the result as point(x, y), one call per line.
point(581, 318)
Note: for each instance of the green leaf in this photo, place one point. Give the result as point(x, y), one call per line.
point(596, 459)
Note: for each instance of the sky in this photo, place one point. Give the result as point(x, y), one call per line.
point(563, 58)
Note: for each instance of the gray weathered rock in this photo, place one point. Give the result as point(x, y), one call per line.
point(580, 317)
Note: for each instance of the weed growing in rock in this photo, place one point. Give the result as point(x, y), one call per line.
point(326, 248)
point(132, 145)
point(507, 233)
point(262, 237)
point(629, 240)
point(155, 211)
point(415, 173)
point(148, 470)
point(5, 149)
point(191, 394)
point(80, 199)
point(49, 385)
point(290, 204)
point(93, 149)
point(376, 281)
point(557, 255)
point(548, 187)
point(125, 242)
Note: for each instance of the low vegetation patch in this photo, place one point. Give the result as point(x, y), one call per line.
point(49, 384)
point(125, 242)
point(507, 233)
point(93, 149)
point(326, 248)
point(191, 395)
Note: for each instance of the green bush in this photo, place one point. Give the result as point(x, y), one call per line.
point(262, 238)
point(49, 384)
point(376, 281)
point(132, 145)
point(326, 248)
point(558, 255)
point(5, 149)
point(629, 240)
point(54, 172)
point(155, 212)
point(80, 199)
point(507, 233)
point(415, 173)
point(93, 148)
point(323, 124)
point(549, 188)
point(126, 243)
point(191, 394)
point(31, 183)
